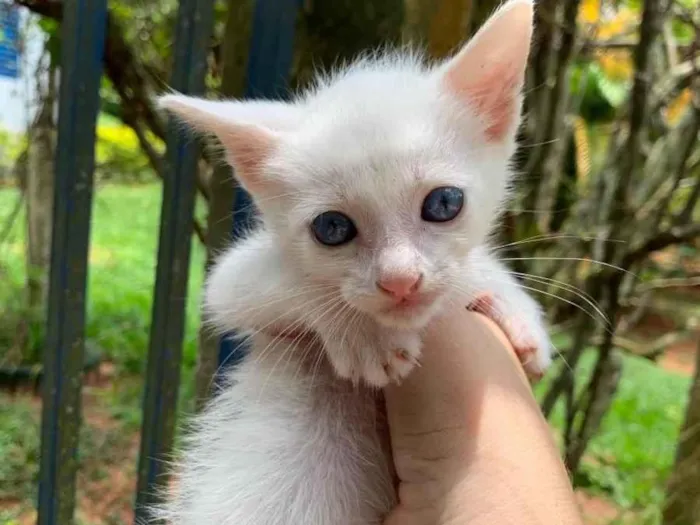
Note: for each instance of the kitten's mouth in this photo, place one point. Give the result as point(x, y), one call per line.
point(412, 304)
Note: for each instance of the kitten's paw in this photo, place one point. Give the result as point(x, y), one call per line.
point(529, 338)
point(385, 357)
point(401, 354)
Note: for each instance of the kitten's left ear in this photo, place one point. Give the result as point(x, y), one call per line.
point(248, 130)
point(488, 73)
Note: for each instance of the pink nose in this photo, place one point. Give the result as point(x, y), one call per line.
point(400, 286)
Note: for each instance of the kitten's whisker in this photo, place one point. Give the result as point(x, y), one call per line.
point(255, 332)
point(562, 357)
point(572, 289)
point(538, 144)
point(282, 298)
point(332, 294)
point(580, 259)
point(554, 296)
point(547, 237)
point(344, 307)
point(313, 344)
point(561, 284)
point(334, 326)
point(293, 345)
point(276, 298)
point(334, 299)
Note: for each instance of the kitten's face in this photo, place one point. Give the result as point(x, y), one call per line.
point(382, 202)
point(346, 174)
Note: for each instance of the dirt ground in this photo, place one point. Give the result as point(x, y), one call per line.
point(105, 493)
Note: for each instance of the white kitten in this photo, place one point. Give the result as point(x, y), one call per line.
point(377, 192)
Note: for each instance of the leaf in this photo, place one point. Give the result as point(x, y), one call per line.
point(613, 90)
point(682, 32)
point(48, 25)
point(589, 12)
point(677, 107)
point(617, 65)
point(620, 23)
point(586, 85)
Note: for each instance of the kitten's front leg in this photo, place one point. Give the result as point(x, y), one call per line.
point(366, 351)
point(495, 293)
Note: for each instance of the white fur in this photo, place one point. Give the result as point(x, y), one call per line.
point(287, 441)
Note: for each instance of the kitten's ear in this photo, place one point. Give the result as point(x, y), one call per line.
point(247, 130)
point(488, 73)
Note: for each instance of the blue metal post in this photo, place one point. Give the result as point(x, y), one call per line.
point(271, 53)
point(192, 39)
point(82, 37)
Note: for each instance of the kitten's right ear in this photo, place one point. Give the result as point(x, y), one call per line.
point(488, 73)
point(249, 131)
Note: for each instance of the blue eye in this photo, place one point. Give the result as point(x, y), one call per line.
point(442, 204)
point(333, 228)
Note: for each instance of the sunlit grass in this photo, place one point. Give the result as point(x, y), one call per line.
point(123, 253)
point(630, 458)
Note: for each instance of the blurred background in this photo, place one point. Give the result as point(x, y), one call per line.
point(604, 229)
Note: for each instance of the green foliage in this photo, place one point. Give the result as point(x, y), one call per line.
point(110, 101)
point(600, 95)
point(11, 146)
point(52, 30)
point(631, 457)
point(614, 91)
point(19, 447)
point(105, 442)
point(119, 155)
point(149, 28)
point(122, 274)
point(21, 328)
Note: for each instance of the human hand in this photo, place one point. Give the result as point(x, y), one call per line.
point(470, 445)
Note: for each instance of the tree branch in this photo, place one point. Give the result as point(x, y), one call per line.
point(675, 235)
point(130, 81)
point(128, 76)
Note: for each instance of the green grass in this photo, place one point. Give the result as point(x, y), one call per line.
point(631, 456)
point(629, 460)
point(121, 280)
point(122, 273)
point(19, 447)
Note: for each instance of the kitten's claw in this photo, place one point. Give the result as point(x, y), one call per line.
point(391, 374)
point(483, 304)
point(400, 363)
point(528, 358)
point(404, 355)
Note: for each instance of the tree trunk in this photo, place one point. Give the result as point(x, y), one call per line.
point(221, 186)
point(682, 506)
point(441, 26)
point(39, 193)
point(333, 33)
point(481, 11)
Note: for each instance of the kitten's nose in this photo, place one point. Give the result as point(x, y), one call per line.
point(400, 286)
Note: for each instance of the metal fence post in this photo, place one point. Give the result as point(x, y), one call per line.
point(192, 39)
point(271, 53)
point(83, 34)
